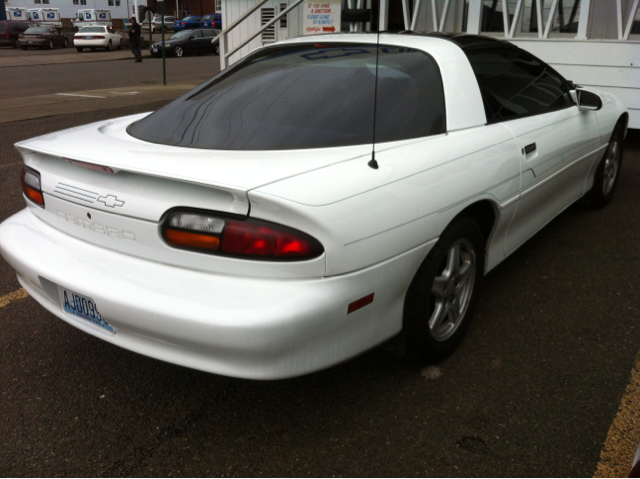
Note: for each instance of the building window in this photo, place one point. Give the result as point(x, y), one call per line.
point(111, 3)
point(117, 3)
point(266, 15)
point(218, 6)
point(283, 20)
point(36, 1)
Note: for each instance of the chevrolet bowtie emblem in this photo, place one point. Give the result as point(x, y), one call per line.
point(110, 201)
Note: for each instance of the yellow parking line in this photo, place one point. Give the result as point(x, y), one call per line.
point(620, 446)
point(10, 164)
point(11, 297)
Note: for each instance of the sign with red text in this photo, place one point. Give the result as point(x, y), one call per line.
point(321, 17)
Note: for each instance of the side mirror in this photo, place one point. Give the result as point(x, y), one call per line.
point(587, 100)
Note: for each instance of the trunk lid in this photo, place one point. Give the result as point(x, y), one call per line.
point(150, 178)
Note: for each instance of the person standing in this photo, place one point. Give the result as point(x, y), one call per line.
point(134, 39)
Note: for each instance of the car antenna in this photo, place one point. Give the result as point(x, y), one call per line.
point(372, 162)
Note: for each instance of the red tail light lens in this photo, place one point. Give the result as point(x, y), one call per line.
point(242, 238)
point(31, 186)
point(98, 37)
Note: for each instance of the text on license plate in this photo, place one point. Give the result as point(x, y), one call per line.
point(83, 307)
point(88, 38)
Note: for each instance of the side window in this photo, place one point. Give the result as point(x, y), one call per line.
point(196, 34)
point(515, 84)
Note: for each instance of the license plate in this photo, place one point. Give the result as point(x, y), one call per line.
point(83, 307)
point(29, 41)
point(88, 38)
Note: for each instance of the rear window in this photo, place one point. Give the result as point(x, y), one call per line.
point(91, 30)
point(306, 96)
point(36, 31)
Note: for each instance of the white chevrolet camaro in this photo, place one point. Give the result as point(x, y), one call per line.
point(310, 202)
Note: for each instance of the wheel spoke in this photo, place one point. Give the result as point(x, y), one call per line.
point(454, 310)
point(440, 313)
point(453, 261)
point(438, 287)
point(465, 272)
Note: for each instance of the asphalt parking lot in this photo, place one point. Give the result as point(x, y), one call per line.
point(535, 389)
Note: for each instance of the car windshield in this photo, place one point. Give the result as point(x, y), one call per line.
point(306, 96)
point(208, 17)
point(35, 31)
point(189, 19)
point(182, 34)
point(91, 30)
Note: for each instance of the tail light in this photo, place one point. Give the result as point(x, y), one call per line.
point(100, 37)
point(31, 187)
point(238, 237)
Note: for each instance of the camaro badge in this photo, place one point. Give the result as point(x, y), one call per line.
point(110, 201)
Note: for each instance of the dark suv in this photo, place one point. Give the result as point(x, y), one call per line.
point(10, 31)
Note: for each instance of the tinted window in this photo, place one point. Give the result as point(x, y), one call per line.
point(306, 96)
point(514, 84)
point(36, 31)
point(196, 34)
point(1, 27)
point(91, 30)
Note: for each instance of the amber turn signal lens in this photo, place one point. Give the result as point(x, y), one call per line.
point(31, 186)
point(34, 195)
point(186, 239)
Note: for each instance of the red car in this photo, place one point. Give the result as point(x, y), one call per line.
point(10, 31)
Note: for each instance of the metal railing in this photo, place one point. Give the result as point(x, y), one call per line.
point(224, 39)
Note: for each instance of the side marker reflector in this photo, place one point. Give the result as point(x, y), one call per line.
point(361, 303)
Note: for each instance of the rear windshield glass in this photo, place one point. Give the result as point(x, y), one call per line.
point(306, 96)
point(37, 31)
point(182, 34)
point(91, 30)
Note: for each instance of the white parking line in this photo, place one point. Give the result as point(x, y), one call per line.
point(11, 297)
point(87, 96)
point(124, 93)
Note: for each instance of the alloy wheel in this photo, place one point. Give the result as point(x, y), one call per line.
point(452, 290)
point(611, 164)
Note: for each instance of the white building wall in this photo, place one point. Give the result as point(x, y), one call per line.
point(68, 9)
point(233, 9)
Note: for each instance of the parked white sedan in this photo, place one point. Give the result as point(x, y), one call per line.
point(310, 202)
point(97, 37)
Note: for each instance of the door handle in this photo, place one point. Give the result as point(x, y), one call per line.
point(529, 148)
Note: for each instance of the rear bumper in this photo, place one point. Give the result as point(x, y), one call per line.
point(33, 43)
point(245, 327)
point(93, 43)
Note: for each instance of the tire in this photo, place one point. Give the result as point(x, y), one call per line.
point(15, 44)
point(24, 48)
point(178, 51)
point(80, 49)
point(92, 49)
point(608, 172)
point(120, 45)
point(110, 46)
point(444, 292)
point(216, 49)
point(50, 44)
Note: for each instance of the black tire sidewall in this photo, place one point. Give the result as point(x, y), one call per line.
point(421, 342)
